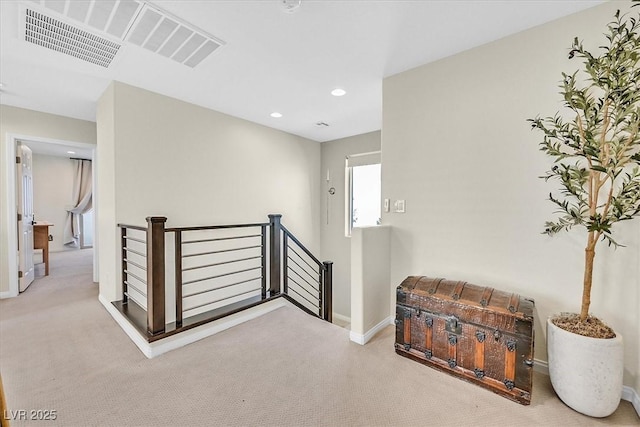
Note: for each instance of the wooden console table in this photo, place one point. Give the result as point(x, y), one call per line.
point(41, 241)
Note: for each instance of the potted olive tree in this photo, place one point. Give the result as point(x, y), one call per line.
point(595, 145)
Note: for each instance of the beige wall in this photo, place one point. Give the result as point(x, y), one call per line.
point(105, 207)
point(52, 193)
point(335, 246)
point(18, 121)
point(162, 157)
point(370, 290)
point(457, 147)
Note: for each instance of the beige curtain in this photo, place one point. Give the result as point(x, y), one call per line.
point(83, 199)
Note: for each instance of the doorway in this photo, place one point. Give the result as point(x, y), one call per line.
point(25, 221)
point(45, 147)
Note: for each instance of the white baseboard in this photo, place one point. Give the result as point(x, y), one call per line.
point(632, 396)
point(628, 393)
point(340, 317)
point(151, 350)
point(363, 339)
point(7, 294)
point(127, 327)
point(541, 366)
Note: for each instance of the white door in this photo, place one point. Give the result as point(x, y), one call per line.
point(24, 183)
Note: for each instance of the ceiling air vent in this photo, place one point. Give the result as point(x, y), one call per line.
point(113, 17)
point(48, 32)
point(139, 23)
point(159, 32)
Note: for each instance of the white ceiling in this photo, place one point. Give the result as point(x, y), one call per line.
point(273, 61)
point(48, 148)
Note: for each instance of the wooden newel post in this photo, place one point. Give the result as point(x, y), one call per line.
point(275, 230)
point(155, 274)
point(327, 291)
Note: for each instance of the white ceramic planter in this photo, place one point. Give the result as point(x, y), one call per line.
point(586, 373)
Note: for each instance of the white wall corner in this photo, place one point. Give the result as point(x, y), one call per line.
point(127, 327)
point(8, 294)
point(151, 350)
point(11, 212)
point(357, 338)
point(362, 339)
point(341, 317)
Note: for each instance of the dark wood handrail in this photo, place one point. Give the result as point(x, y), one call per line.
point(306, 251)
point(214, 227)
point(133, 227)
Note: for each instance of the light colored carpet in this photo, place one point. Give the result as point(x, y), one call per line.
point(60, 349)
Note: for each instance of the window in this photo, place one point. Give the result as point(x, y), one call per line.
point(363, 191)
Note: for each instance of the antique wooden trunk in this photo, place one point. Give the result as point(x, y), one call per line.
point(479, 334)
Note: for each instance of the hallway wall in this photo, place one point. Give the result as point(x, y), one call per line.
point(163, 157)
point(335, 245)
point(18, 121)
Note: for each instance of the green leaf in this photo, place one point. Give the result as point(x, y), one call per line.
point(598, 130)
point(599, 168)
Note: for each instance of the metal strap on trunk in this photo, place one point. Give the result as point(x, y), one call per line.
point(457, 290)
point(407, 329)
point(510, 363)
point(514, 303)
point(486, 297)
point(410, 282)
point(479, 354)
point(434, 285)
point(428, 339)
point(453, 350)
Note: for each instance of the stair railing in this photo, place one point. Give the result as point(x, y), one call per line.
point(306, 280)
point(217, 271)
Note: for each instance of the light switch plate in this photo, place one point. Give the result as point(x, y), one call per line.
point(387, 204)
point(400, 206)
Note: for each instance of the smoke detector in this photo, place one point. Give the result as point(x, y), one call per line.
point(290, 6)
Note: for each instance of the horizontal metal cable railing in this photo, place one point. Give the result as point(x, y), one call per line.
point(134, 264)
point(218, 265)
point(209, 272)
point(307, 280)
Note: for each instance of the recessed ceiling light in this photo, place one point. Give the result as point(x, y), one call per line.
point(71, 152)
point(290, 6)
point(276, 115)
point(338, 92)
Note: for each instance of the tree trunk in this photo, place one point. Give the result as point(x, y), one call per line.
point(589, 255)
